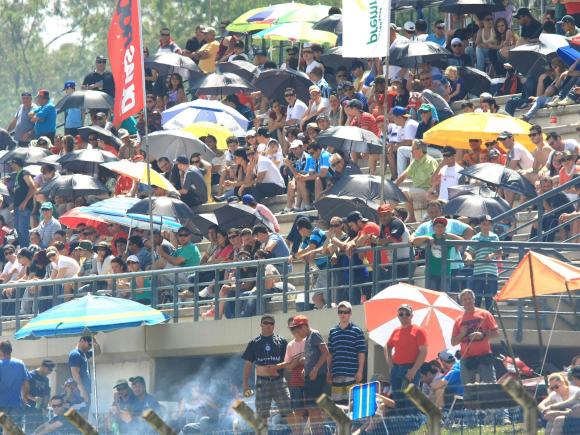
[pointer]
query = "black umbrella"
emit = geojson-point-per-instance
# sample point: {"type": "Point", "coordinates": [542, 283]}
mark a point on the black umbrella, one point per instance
{"type": "Point", "coordinates": [349, 138]}
{"type": "Point", "coordinates": [366, 187]}
{"type": "Point", "coordinates": [475, 81]}
{"type": "Point", "coordinates": [163, 206]}
{"type": "Point", "coordinates": [221, 84]}
{"type": "Point", "coordinates": [167, 63]}
{"type": "Point", "coordinates": [88, 99]}
{"type": "Point", "coordinates": [470, 189]}
{"type": "Point", "coordinates": [462, 7]}
{"type": "Point", "coordinates": [72, 186]}
{"type": "Point", "coordinates": [444, 110]}
{"type": "Point", "coordinates": [273, 82]}
{"type": "Point", "coordinates": [86, 161]}
{"type": "Point", "coordinates": [239, 216]}
{"type": "Point", "coordinates": [332, 23]}
{"type": "Point", "coordinates": [243, 68]}
{"type": "Point", "coordinates": [330, 206]}
{"type": "Point", "coordinates": [411, 54]}
{"type": "Point", "coordinates": [203, 221]}
{"type": "Point", "coordinates": [333, 58]}
{"type": "Point", "coordinates": [474, 206]}
{"type": "Point", "coordinates": [101, 133]}
{"type": "Point", "coordinates": [50, 160]}
{"type": "Point", "coordinates": [27, 154]}
{"type": "Point", "coordinates": [531, 57]}
{"type": "Point", "coordinates": [501, 177]}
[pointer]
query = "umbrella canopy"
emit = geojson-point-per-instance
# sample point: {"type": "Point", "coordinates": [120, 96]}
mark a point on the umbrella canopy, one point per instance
{"type": "Point", "coordinates": [333, 58]}
{"type": "Point", "coordinates": [462, 7]}
{"type": "Point", "coordinates": [241, 24]}
{"type": "Point", "coordinates": [221, 84]}
{"type": "Point", "coordinates": [474, 81]}
{"type": "Point", "coordinates": [270, 14]}
{"type": "Point", "coordinates": [246, 70]}
{"type": "Point", "coordinates": [167, 63]}
{"type": "Point", "coordinates": [366, 187]}
{"type": "Point", "coordinates": [163, 206]}
{"type": "Point", "coordinates": [80, 215]}
{"type": "Point", "coordinates": [173, 143]}
{"type": "Point", "coordinates": [457, 130]}
{"type": "Point", "coordinates": [71, 186]}
{"type": "Point", "coordinates": [500, 177]}
{"type": "Point", "coordinates": [203, 221]}
{"type": "Point", "coordinates": [88, 99]}
{"type": "Point", "coordinates": [29, 155]}
{"type": "Point", "coordinates": [89, 315]}
{"type": "Point", "coordinates": [443, 109]}
{"type": "Point", "coordinates": [331, 23]}
{"type": "Point", "coordinates": [201, 129]}
{"type": "Point", "coordinates": [297, 32]}
{"type": "Point", "coordinates": [85, 161]}
{"type": "Point", "coordinates": [550, 276]}
{"type": "Point", "coordinates": [273, 82]}
{"type": "Point", "coordinates": [411, 54]}
{"type": "Point", "coordinates": [470, 189]}
{"type": "Point", "coordinates": [239, 216]}
{"type": "Point", "coordinates": [532, 57]}
{"type": "Point", "coordinates": [101, 133]}
{"type": "Point", "coordinates": [474, 206]}
{"type": "Point", "coordinates": [185, 114]}
{"type": "Point", "coordinates": [433, 311]}
{"type": "Point", "coordinates": [51, 160]}
{"type": "Point", "coordinates": [349, 138]}
{"type": "Point", "coordinates": [330, 206]}
{"type": "Point", "coordinates": [569, 55]}
{"type": "Point", "coordinates": [304, 14]}
{"type": "Point", "coordinates": [138, 171]}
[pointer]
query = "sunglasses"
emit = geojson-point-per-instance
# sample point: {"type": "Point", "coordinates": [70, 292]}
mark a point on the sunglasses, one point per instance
{"type": "Point", "coordinates": [165, 34]}
{"type": "Point", "coordinates": [533, 134]}
{"type": "Point", "coordinates": [343, 312]}
{"type": "Point", "coordinates": [335, 225]}
{"type": "Point", "coordinates": [195, 162]}
{"type": "Point", "coordinates": [554, 387]}
{"type": "Point", "coordinates": [456, 45]}
{"type": "Point", "coordinates": [288, 95]}
{"type": "Point", "coordinates": [101, 61]}
{"type": "Point", "coordinates": [268, 323]}
{"type": "Point", "coordinates": [404, 314]}
{"type": "Point", "coordinates": [183, 235]}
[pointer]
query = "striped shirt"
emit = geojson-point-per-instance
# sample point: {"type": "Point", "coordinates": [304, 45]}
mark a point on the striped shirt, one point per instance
{"type": "Point", "coordinates": [482, 264]}
{"type": "Point", "coordinates": [344, 346]}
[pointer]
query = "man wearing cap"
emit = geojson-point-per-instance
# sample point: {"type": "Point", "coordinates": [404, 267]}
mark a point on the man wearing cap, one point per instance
{"type": "Point", "coordinates": [405, 351]}
{"type": "Point", "coordinates": [48, 225]}
{"type": "Point", "coordinates": [38, 394]}
{"type": "Point", "coordinates": [359, 118]}
{"type": "Point", "coordinates": [194, 43]}
{"type": "Point", "coordinates": [458, 56]}
{"type": "Point", "coordinates": [347, 347]}
{"type": "Point", "coordinates": [207, 54]}
{"type": "Point", "coordinates": [518, 157]}
{"type": "Point", "coordinates": [530, 28]}
{"type": "Point", "coordinates": [143, 399]}
{"type": "Point", "coordinates": [21, 124]}
{"type": "Point", "coordinates": [446, 175]}
{"type": "Point", "coordinates": [87, 258]}
{"type": "Point", "coordinates": [22, 191]}
{"type": "Point", "coordinates": [73, 118]}
{"type": "Point", "coordinates": [425, 112]}
{"type": "Point", "coordinates": [137, 247]}
{"type": "Point", "coordinates": [264, 211]}
{"type": "Point", "coordinates": [125, 411]}
{"type": "Point", "coordinates": [99, 79]}
{"type": "Point", "coordinates": [451, 380]}
{"type": "Point", "coordinates": [58, 424]}
{"type": "Point", "coordinates": [43, 116]}
{"type": "Point", "coordinates": [316, 106]}
{"type": "Point", "coordinates": [191, 185]}
{"type": "Point", "coordinates": [349, 93]}
{"type": "Point", "coordinates": [569, 26]}
{"type": "Point", "coordinates": [265, 352]}
{"type": "Point", "coordinates": [410, 29]}
{"type": "Point", "coordinates": [393, 230]}
{"type": "Point", "coordinates": [294, 163]}
{"type": "Point", "coordinates": [296, 108]}
{"type": "Point", "coordinates": [128, 149]}
{"type": "Point", "coordinates": [438, 36]}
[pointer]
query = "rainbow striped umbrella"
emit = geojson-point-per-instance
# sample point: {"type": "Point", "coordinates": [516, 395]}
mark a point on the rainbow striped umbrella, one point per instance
{"type": "Point", "coordinates": [271, 13]}
{"type": "Point", "coordinates": [305, 13]}
{"type": "Point", "coordinates": [297, 32]}
{"type": "Point", "coordinates": [241, 24]}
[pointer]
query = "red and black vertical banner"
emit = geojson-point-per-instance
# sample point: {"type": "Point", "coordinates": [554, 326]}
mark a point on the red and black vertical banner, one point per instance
{"type": "Point", "coordinates": [126, 59]}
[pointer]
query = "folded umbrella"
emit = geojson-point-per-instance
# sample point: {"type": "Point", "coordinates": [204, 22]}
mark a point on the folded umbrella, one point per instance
{"type": "Point", "coordinates": [167, 63]}
{"type": "Point", "coordinates": [246, 70]}
{"type": "Point", "coordinates": [411, 54]}
{"type": "Point", "coordinates": [221, 84]}
{"type": "Point", "coordinates": [330, 206]}
{"type": "Point", "coordinates": [331, 23]}
{"type": "Point", "coordinates": [73, 186]}
{"type": "Point", "coordinates": [475, 81]}
{"type": "Point", "coordinates": [366, 187]}
{"type": "Point", "coordinates": [173, 143]}
{"type": "Point", "coordinates": [185, 114]}
{"type": "Point", "coordinates": [28, 155]}
{"type": "Point", "coordinates": [138, 171]}
{"type": "Point", "coordinates": [500, 177]}
{"type": "Point", "coordinates": [239, 216]}
{"type": "Point", "coordinates": [163, 206]}
{"type": "Point", "coordinates": [467, 7]}
{"type": "Point", "coordinates": [474, 206]}
{"type": "Point", "coordinates": [86, 161]}
{"type": "Point", "coordinates": [273, 82]}
{"type": "Point", "coordinates": [350, 139]}
{"type": "Point", "coordinates": [102, 133]}
{"type": "Point", "coordinates": [87, 100]}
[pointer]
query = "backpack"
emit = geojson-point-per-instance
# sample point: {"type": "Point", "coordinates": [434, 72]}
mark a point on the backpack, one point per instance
{"type": "Point", "coordinates": [511, 85]}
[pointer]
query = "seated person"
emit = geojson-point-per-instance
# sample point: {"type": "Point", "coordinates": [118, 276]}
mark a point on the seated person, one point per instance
{"type": "Point", "coordinates": [57, 424]}
{"type": "Point", "coordinates": [559, 402]}
{"type": "Point", "coordinates": [313, 182]}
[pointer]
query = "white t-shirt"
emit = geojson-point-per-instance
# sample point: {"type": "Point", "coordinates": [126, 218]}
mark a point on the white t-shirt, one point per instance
{"type": "Point", "coordinates": [449, 178]}
{"type": "Point", "coordinates": [393, 133]}
{"type": "Point", "coordinates": [556, 398]}
{"type": "Point", "coordinates": [12, 269]}
{"type": "Point", "coordinates": [571, 145]}
{"type": "Point", "coordinates": [272, 173]}
{"type": "Point", "coordinates": [312, 65]}
{"type": "Point", "coordinates": [297, 111]}
{"type": "Point", "coordinates": [323, 103]}
{"type": "Point", "coordinates": [521, 155]}
{"type": "Point", "coordinates": [409, 130]}
{"type": "Point", "coordinates": [69, 264]}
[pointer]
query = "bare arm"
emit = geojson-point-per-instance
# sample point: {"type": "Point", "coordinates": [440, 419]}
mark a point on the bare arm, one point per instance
{"type": "Point", "coordinates": [247, 372]}
{"type": "Point", "coordinates": [76, 375]}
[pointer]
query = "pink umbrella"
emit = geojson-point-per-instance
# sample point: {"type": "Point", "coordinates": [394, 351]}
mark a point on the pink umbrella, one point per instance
{"type": "Point", "coordinates": [434, 311]}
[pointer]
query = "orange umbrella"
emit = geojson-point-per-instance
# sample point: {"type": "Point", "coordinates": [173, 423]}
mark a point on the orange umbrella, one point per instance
{"type": "Point", "coordinates": [538, 275]}
{"type": "Point", "coordinates": [434, 311]}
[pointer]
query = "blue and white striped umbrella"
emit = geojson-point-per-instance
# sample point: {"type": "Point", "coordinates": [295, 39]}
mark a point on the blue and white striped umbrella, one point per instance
{"type": "Point", "coordinates": [185, 114]}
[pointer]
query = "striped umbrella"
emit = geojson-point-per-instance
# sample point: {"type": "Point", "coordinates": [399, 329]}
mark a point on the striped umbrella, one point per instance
{"type": "Point", "coordinates": [297, 32]}
{"type": "Point", "coordinates": [306, 13]}
{"type": "Point", "coordinates": [434, 311]}
{"type": "Point", "coordinates": [270, 14]}
{"type": "Point", "coordinates": [241, 24]}
{"type": "Point", "coordinates": [184, 114]}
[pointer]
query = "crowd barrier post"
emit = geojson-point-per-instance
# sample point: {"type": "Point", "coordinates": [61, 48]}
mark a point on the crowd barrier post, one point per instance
{"type": "Point", "coordinates": [251, 417]}
{"type": "Point", "coordinates": [79, 422]}
{"type": "Point", "coordinates": [343, 422]}
{"type": "Point", "coordinates": [427, 407]}
{"type": "Point", "coordinates": [157, 423]}
{"type": "Point", "coordinates": [526, 401]}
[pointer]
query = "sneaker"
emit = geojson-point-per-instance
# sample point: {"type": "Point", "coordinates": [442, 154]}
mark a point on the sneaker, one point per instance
{"type": "Point", "coordinates": [553, 103]}
{"type": "Point", "coordinates": [286, 210]}
{"type": "Point", "coordinates": [567, 101]}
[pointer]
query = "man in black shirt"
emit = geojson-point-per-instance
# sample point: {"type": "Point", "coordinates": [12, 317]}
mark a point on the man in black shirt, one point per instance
{"type": "Point", "coordinates": [22, 192]}
{"type": "Point", "coordinates": [57, 425]}
{"type": "Point", "coordinates": [530, 28]}
{"type": "Point", "coordinates": [38, 395]}
{"type": "Point", "coordinates": [265, 351]}
{"type": "Point", "coordinates": [194, 44]}
{"type": "Point", "coordinates": [458, 56]}
{"type": "Point", "coordinates": [99, 79]}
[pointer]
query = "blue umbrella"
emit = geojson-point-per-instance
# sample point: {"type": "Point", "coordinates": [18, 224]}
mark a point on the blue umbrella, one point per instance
{"type": "Point", "coordinates": [569, 55]}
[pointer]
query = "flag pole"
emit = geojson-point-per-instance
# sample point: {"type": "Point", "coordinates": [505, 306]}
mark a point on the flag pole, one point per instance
{"type": "Point", "coordinates": [386, 112]}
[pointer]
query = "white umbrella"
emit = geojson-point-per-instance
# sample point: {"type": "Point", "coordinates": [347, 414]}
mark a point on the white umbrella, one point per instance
{"type": "Point", "coordinates": [185, 114]}
{"type": "Point", "coordinates": [173, 143]}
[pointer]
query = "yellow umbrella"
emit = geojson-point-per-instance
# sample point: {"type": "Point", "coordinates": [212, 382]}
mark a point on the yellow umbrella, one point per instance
{"type": "Point", "coordinates": [241, 24]}
{"type": "Point", "coordinates": [297, 32]}
{"type": "Point", "coordinates": [457, 130]}
{"type": "Point", "coordinates": [138, 171]}
{"type": "Point", "coordinates": [200, 129]}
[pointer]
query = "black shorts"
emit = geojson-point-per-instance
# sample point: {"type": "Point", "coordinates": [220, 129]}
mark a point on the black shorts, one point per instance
{"type": "Point", "coordinates": [313, 389]}
{"type": "Point", "coordinates": [310, 184]}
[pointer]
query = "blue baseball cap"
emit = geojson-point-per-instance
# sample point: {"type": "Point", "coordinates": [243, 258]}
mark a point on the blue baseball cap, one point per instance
{"type": "Point", "coordinates": [399, 111]}
{"type": "Point", "coordinates": [70, 84]}
{"type": "Point", "coordinates": [248, 199]}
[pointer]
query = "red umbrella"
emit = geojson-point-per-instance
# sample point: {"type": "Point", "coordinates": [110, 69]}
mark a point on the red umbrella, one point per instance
{"type": "Point", "coordinates": [434, 311]}
{"type": "Point", "coordinates": [76, 216]}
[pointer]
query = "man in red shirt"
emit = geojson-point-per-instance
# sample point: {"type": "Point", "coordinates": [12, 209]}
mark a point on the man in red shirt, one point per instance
{"type": "Point", "coordinates": [366, 121]}
{"type": "Point", "coordinates": [409, 344]}
{"type": "Point", "coordinates": [472, 331]}
{"type": "Point", "coordinates": [366, 232]}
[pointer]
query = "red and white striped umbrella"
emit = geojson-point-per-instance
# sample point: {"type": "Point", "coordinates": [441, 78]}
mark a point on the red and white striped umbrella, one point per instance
{"type": "Point", "coordinates": [434, 311]}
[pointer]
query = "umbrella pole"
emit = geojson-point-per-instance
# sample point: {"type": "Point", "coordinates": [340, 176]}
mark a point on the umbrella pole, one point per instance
{"type": "Point", "coordinates": [537, 313]}
{"type": "Point", "coordinates": [386, 113]}
{"type": "Point", "coordinates": [507, 340]}
{"type": "Point", "coordinates": [95, 395]}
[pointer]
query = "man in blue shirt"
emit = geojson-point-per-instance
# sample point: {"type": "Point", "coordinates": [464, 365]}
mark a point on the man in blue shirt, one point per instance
{"type": "Point", "coordinates": [78, 361]}
{"type": "Point", "coordinates": [316, 174]}
{"type": "Point", "coordinates": [14, 383]}
{"type": "Point", "coordinates": [313, 240]}
{"type": "Point", "coordinates": [44, 116]}
{"type": "Point", "coordinates": [73, 117]}
{"type": "Point", "coordinates": [438, 35]}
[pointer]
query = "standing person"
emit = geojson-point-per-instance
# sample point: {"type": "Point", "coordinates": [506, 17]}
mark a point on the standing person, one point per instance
{"type": "Point", "coordinates": [206, 55]}
{"type": "Point", "coordinates": [73, 118]}
{"type": "Point", "coordinates": [346, 343]}
{"type": "Point", "coordinates": [43, 116]}
{"type": "Point", "coordinates": [21, 124]}
{"type": "Point", "coordinates": [315, 369]}
{"type": "Point", "coordinates": [265, 352]}
{"type": "Point", "coordinates": [38, 395]}
{"type": "Point", "coordinates": [409, 344]}
{"type": "Point", "coordinates": [14, 383]}
{"type": "Point", "coordinates": [99, 79]}
{"type": "Point", "coordinates": [472, 331]}
{"type": "Point", "coordinates": [23, 191]}
{"type": "Point", "coordinates": [78, 361]}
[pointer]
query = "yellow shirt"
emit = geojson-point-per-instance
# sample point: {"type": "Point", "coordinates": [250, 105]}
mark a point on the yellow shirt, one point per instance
{"type": "Point", "coordinates": [208, 64]}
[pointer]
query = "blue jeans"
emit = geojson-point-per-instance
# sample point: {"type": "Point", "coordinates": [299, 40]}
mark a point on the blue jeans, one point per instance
{"type": "Point", "coordinates": [538, 104]}
{"type": "Point", "coordinates": [22, 226]}
{"type": "Point", "coordinates": [398, 384]}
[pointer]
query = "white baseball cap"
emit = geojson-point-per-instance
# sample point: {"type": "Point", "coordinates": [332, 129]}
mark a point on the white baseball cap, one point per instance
{"type": "Point", "coordinates": [296, 143]}
{"type": "Point", "coordinates": [409, 26]}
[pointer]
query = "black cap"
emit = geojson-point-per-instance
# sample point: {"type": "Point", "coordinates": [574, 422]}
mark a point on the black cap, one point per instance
{"type": "Point", "coordinates": [355, 104]}
{"type": "Point", "coordinates": [484, 218]}
{"type": "Point", "coordinates": [99, 57]}
{"type": "Point", "coordinates": [504, 135]}
{"type": "Point", "coordinates": [355, 216]}
{"type": "Point", "coordinates": [523, 12]}
{"type": "Point", "coordinates": [182, 159]}
{"type": "Point", "coordinates": [137, 380]}
{"type": "Point", "coordinates": [49, 364]}
{"type": "Point", "coordinates": [567, 19]}
{"type": "Point", "coordinates": [260, 53]}
{"type": "Point", "coordinates": [18, 161]}
{"type": "Point", "coordinates": [448, 151]}
{"type": "Point", "coordinates": [553, 135]}
{"type": "Point", "coordinates": [575, 372]}
{"type": "Point", "coordinates": [292, 50]}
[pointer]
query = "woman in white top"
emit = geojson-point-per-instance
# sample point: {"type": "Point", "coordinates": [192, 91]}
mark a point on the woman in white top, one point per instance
{"type": "Point", "coordinates": [560, 390]}
{"type": "Point", "coordinates": [486, 42]}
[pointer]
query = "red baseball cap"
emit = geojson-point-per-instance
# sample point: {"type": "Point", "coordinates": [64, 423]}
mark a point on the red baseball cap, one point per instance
{"type": "Point", "coordinates": [385, 208]}
{"type": "Point", "coordinates": [440, 220]}
{"type": "Point", "coordinates": [298, 321]}
{"type": "Point", "coordinates": [43, 93]}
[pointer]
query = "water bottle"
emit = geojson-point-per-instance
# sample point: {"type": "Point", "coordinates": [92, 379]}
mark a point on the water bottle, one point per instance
{"type": "Point", "coordinates": [236, 426]}
{"type": "Point", "coordinates": [115, 428]}
{"type": "Point", "coordinates": [553, 117]}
